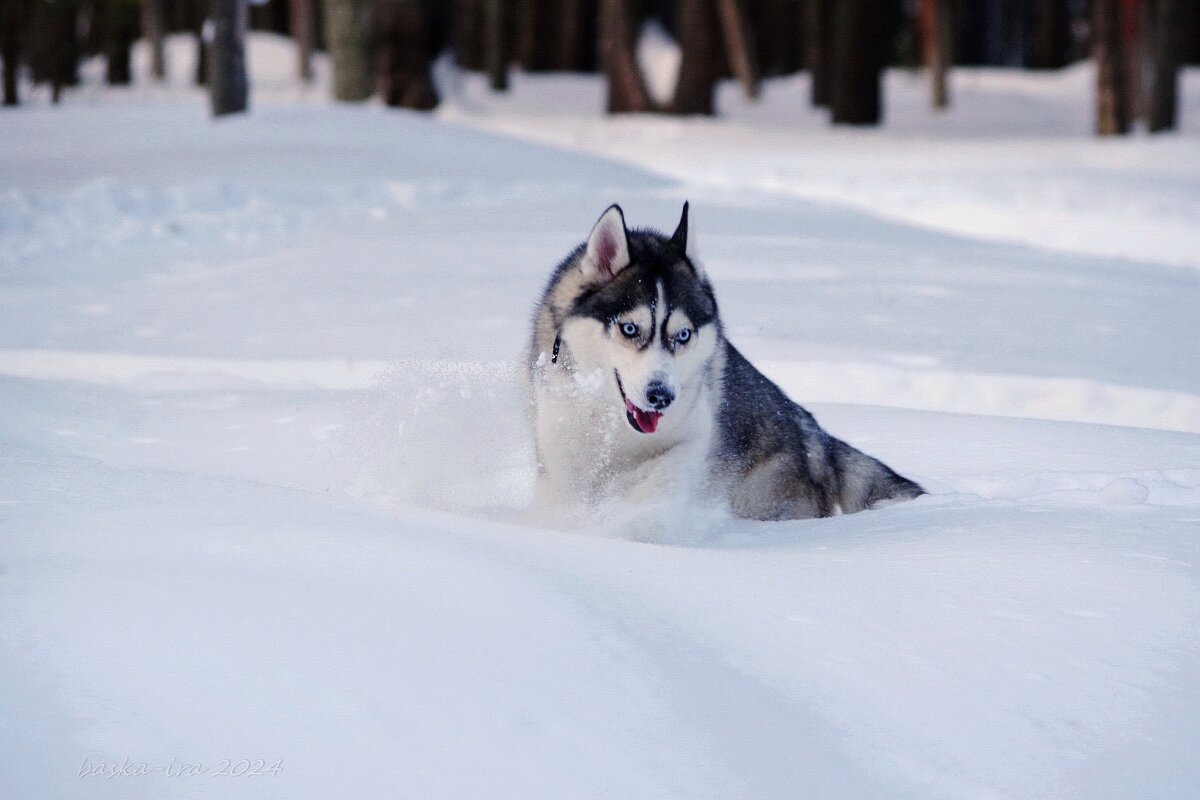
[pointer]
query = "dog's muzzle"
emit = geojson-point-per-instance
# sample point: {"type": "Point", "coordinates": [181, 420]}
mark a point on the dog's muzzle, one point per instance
{"type": "Point", "coordinates": [640, 419]}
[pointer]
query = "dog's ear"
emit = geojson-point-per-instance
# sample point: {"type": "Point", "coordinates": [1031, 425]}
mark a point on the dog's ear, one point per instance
{"type": "Point", "coordinates": [679, 239]}
{"type": "Point", "coordinates": [607, 246]}
{"type": "Point", "coordinates": [684, 239]}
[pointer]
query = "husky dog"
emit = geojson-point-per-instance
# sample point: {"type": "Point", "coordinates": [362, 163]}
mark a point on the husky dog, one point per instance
{"type": "Point", "coordinates": [633, 384]}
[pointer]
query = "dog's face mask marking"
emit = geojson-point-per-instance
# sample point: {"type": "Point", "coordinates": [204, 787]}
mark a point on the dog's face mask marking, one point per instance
{"type": "Point", "coordinates": [646, 319]}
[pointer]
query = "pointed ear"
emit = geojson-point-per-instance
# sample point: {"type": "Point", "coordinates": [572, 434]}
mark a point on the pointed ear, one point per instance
{"type": "Point", "coordinates": [607, 246]}
{"type": "Point", "coordinates": [680, 238]}
{"type": "Point", "coordinates": [684, 240]}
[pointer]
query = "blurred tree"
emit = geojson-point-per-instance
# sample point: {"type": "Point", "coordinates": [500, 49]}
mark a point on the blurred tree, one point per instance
{"type": "Point", "coordinates": [699, 36]}
{"type": "Point", "coordinates": [91, 27]}
{"type": "Point", "coordinates": [53, 44]}
{"type": "Point", "coordinates": [469, 33]}
{"type": "Point", "coordinates": [537, 25]}
{"type": "Point", "coordinates": [1050, 40]}
{"type": "Point", "coordinates": [270, 15]}
{"type": "Point", "coordinates": [228, 85]}
{"type": "Point", "coordinates": [818, 43]}
{"type": "Point", "coordinates": [858, 60]}
{"type": "Point", "coordinates": [14, 21]}
{"type": "Point", "coordinates": [1163, 28]}
{"type": "Point", "coordinates": [407, 38]}
{"type": "Point", "coordinates": [153, 18]}
{"type": "Point", "coordinates": [937, 40]}
{"type": "Point", "coordinates": [498, 36]}
{"type": "Point", "coordinates": [576, 36]}
{"type": "Point", "coordinates": [120, 32]}
{"type": "Point", "coordinates": [346, 24]}
{"type": "Point", "coordinates": [1189, 33]}
{"type": "Point", "coordinates": [1112, 90]}
{"type": "Point", "coordinates": [739, 45]}
{"type": "Point", "coordinates": [66, 48]}
{"type": "Point", "coordinates": [993, 32]}
{"type": "Point", "coordinates": [779, 28]}
{"type": "Point", "coordinates": [626, 85]}
{"type": "Point", "coordinates": [557, 35]}
{"type": "Point", "coordinates": [302, 24]}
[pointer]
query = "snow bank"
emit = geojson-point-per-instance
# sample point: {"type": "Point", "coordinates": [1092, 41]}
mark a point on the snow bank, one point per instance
{"type": "Point", "coordinates": [264, 476]}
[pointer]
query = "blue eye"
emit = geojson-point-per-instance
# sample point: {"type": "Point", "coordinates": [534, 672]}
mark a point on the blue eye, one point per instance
{"type": "Point", "coordinates": [629, 329]}
{"type": "Point", "coordinates": [683, 336]}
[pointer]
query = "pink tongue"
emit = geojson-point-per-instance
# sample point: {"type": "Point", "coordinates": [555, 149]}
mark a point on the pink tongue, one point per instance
{"type": "Point", "coordinates": [646, 420]}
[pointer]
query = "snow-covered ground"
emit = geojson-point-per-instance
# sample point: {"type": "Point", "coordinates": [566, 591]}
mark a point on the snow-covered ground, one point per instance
{"type": "Point", "coordinates": [264, 480]}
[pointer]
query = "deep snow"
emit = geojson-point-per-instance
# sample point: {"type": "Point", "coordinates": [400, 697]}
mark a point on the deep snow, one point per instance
{"type": "Point", "coordinates": [264, 479]}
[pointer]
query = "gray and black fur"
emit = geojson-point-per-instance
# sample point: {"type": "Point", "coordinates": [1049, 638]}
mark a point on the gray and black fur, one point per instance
{"type": "Point", "coordinates": [813, 474]}
{"type": "Point", "coordinates": [764, 452]}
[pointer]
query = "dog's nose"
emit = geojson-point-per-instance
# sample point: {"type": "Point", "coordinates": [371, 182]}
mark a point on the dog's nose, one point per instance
{"type": "Point", "coordinates": [659, 395]}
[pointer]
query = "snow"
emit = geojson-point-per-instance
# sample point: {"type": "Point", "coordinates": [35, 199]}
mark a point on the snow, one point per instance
{"type": "Point", "coordinates": [265, 481]}
{"type": "Point", "coordinates": [1012, 161]}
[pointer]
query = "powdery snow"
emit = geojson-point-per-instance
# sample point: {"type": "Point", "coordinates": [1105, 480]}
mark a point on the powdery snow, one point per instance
{"type": "Point", "coordinates": [265, 480]}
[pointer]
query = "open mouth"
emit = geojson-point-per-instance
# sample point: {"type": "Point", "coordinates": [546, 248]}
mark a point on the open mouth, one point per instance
{"type": "Point", "coordinates": [642, 421]}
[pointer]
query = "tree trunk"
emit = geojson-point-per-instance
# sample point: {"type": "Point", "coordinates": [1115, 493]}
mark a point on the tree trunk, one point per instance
{"type": "Point", "coordinates": [627, 90]}
{"type": "Point", "coordinates": [1135, 59]}
{"type": "Point", "coordinates": [195, 13]}
{"type": "Point", "coordinates": [121, 31]}
{"type": "Point", "coordinates": [14, 17]}
{"type": "Point", "coordinates": [228, 84]}
{"type": "Point", "coordinates": [778, 27]}
{"type": "Point", "coordinates": [346, 27]}
{"type": "Point", "coordinates": [265, 15]}
{"type": "Point", "coordinates": [51, 44]}
{"type": "Point", "coordinates": [470, 33]}
{"type": "Point", "coordinates": [1051, 34]}
{"type": "Point", "coordinates": [576, 46]}
{"type": "Point", "coordinates": [818, 42]}
{"type": "Point", "coordinates": [565, 52]}
{"type": "Point", "coordinates": [525, 17]}
{"type": "Point", "coordinates": [1163, 45]}
{"type": "Point", "coordinates": [37, 37]}
{"type": "Point", "coordinates": [405, 50]}
{"type": "Point", "coordinates": [201, 76]}
{"type": "Point", "coordinates": [739, 45]}
{"type": "Point", "coordinates": [497, 43]}
{"type": "Point", "coordinates": [1112, 94]}
{"type": "Point", "coordinates": [857, 62]}
{"type": "Point", "coordinates": [153, 26]}
{"type": "Point", "coordinates": [61, 47]}
{"type": "Point", "coordinates": [10, 51]}
{"type": "Point", "coordinates": [700, 42]}
{"type": "Point", "coordinates": [303, 28]}
{"type": "Point", "coordinates": [1189, 35]}
{"type": "Point", "coordinates": [538, 23]}
{"type": "Point", "coordinates": [937, 31]}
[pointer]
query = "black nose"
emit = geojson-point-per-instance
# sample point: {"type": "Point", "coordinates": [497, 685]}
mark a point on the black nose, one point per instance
{"type": "Point", "coordinates": [659, 395]}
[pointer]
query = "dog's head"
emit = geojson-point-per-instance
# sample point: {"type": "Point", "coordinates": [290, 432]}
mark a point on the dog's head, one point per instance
{"type": "Point", "coordinates": [644, 316]}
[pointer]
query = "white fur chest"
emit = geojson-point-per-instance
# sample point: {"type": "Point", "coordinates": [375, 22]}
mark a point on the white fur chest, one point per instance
{"type": "Point", "coordinates": [588, 450]}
